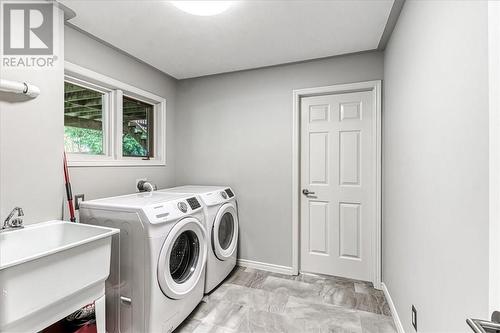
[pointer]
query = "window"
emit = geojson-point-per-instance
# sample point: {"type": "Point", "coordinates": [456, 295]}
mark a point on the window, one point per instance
{"type": "Point", "coordinates": [83, 120]}
{"type": "Point", "coordinates": [107, 122]}
{"type": "Point", "coordinates": [138, 122]}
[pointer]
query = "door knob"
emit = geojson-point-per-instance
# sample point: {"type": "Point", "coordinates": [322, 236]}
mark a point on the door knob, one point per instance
{"type": "Point", "coordinates": [126, 300]}
{"type": "Point", "coordinates": [307, 192]}
{"type": "Point", "coordinates": [484, 326]}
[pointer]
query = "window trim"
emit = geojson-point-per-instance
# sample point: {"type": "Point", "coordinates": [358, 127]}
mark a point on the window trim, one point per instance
{"type": "Point", "coordinates": [112, 135]}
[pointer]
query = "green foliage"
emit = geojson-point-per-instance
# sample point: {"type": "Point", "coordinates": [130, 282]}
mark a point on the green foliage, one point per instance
{"type": "Point", "coordinates": [89, 141]}
{"type": "Point", "coordinates": [133, 148]}
{"type": "Point", "coordinates": [82, 140]}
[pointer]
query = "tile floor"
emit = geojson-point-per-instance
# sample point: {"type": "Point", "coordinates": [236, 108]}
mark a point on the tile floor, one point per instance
{"type": "Point", "coordinates": [256, 301]}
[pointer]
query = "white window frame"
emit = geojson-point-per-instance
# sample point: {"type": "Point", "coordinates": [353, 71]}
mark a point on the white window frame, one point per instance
{"type": "Point", "coordinates": [107, 117]}
{"type": "Point", "coordinates": [114, 91]}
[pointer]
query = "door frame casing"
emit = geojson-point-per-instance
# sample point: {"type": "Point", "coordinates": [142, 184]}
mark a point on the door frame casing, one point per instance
{"type": "Point", "coordinates": [494, 154]}
{"type": "Point", "coordinates": [375, 87]}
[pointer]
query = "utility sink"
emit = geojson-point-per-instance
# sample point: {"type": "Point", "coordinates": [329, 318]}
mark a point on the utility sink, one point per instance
{"type": "Point", "coordinates": [49, 270]}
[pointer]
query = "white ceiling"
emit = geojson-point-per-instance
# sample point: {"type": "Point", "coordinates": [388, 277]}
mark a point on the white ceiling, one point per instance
{"type": "Point", "coordinates": [250, 34]}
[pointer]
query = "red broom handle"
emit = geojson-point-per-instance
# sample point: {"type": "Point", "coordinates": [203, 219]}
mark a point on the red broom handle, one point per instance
{"type": "Point", "coordinates": [69, 194]}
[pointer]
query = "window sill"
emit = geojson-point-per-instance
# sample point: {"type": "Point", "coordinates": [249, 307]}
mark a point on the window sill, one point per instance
{"type": "Point", "coordinates": [116, 163]}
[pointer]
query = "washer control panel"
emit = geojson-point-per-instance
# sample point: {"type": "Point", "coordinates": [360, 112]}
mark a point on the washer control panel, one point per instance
{"type": "Point", "coordinates": [193, 203]}
{"type": "Point", "coordinates": [182, 206]}
{"type": "Point", "coordinates": [171, 210]}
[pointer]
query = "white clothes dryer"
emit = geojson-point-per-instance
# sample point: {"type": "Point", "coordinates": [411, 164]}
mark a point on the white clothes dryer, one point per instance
{"type": "Point", "coordinates": [221, 217]}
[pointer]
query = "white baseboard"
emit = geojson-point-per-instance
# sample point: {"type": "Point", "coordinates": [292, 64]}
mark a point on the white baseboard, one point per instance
{"type": "Point", "coordinates": [394, 313]}
{"type": "Point", "coordinates": [265, 266]}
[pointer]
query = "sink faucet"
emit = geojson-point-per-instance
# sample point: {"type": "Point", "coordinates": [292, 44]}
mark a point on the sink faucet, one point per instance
{"type": "Point", "coordinates": [12, 222]}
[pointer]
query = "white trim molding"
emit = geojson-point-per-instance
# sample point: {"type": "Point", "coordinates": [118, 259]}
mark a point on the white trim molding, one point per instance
{"type": "Point", "coordinates": [265, 266]}
{"type": "Point", "coordinates": [395, 316]}
{"type": "Point", "coordinates": [376, 88]}
{"type": "Point", "coordinates": [494, 153]}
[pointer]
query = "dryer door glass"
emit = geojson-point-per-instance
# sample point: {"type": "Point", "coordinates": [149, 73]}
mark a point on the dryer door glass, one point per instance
{"type": "Point", "coordinates": [184, 256]}
{"type": "Point", "coordinates": [226, 230]}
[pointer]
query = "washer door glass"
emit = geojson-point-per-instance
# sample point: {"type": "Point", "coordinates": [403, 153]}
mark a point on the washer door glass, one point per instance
{"type": "Point", "coordinates": [184, 256]}
{"type": "Point", "coordinates": [225, 232]}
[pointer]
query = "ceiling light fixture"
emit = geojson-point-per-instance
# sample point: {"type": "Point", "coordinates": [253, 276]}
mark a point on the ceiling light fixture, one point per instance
{"type": "Point", "coordinates": [203, 8]}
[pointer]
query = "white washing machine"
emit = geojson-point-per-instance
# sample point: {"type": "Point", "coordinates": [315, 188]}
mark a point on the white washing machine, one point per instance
{"type": "Point", "coordinates": [221, 216]}
{"type": "Point", "coordinates": [158, 266]}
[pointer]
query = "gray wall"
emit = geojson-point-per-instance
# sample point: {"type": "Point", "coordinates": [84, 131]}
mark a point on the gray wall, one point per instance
{"type": "Point", "coordinates": [435, 164]}
{"type": "Point", "coordinates": [96, 182]}
{"type": "Point", "coordinates": [31, 141]}
{"type": "Point", "coordinates": [236, 129]}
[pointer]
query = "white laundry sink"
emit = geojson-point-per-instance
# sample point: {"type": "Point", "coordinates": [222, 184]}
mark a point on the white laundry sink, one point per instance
{"type": "Point", "coordinates": [49, 270]}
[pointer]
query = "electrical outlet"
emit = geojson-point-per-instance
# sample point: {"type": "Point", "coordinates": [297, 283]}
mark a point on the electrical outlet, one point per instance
{"type": "Point", "coordinates": [137, 182]}
{"type": "Point", "coordinates": [79, 198]}
{"type": "Point", "coordinates": [414, 317]}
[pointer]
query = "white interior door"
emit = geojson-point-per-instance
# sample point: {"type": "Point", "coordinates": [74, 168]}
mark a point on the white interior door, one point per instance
{"type": "Point", "coordinates": [338, 168]}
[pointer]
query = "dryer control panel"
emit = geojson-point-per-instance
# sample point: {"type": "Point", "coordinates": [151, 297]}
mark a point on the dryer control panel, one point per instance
{"type": "Point", "coordinates": [217, 197]}
{"type": "Point", "coordinates": [229, 192]}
